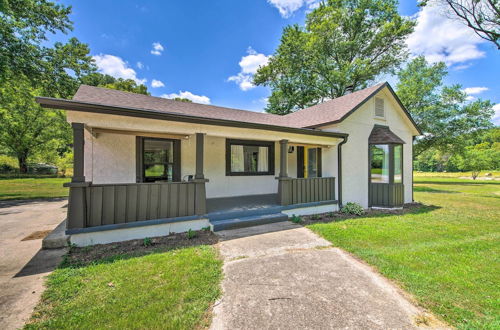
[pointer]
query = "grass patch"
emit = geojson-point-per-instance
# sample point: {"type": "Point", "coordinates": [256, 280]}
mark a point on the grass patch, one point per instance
{"type": "Point", "coordinates": [31, 188]}
{"type": "Point", "coordinates": [169, 290]}
{"type": "Point", "coordinates": [445, 254]}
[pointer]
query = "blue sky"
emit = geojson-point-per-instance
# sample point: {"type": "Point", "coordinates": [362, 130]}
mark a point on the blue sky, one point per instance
{"type": "Point", "coordinates": [208, 50]}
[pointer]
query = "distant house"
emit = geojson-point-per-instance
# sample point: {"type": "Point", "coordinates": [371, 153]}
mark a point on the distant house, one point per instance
{"type": "Point", "coordinates": [147, 166]}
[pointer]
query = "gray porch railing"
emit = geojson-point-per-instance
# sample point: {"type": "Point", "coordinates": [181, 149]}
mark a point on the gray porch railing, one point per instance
{"type": "Point", "coordinates": [92, 205]}
{"type": "Point", "coordinates": [306, 190]}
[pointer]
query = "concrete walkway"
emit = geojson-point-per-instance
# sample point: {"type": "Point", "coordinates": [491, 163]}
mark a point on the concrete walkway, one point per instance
{"type": "Point", "coordinates": [283, 276]}
{"type": "Point", "coordinates": [23, 265]}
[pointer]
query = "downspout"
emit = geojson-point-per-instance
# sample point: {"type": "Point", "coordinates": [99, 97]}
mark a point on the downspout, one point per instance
{"type": "Point", "coordinates": [339, 169]}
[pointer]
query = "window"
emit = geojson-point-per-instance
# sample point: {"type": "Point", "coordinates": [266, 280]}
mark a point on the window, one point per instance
{"type": "Point", "coordinates": [386, 163]}
{"type": "Point", "coordinates": [245, 157]}
{"type": "Point", "coordinates": [379, 108]}
{"type": "Point", "coordinates": [380, 163]}
{"type": "Point", "coordinates": [398, 163]}
{"type": "Point", "coordinates": [160, 160]}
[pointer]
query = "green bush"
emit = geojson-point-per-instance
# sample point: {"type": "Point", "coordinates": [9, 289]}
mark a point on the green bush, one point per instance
{"type": "Point", "coordinates": [352, 208]}
{"type": "Point", "coordinates": [8, 164]}
{"type": "Point", "coordinates": [296, 219]}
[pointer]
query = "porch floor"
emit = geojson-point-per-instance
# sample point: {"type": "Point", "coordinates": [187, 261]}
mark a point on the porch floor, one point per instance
{"type": "Point", "coordinates": [242, 203]}
{"type": "Point", "coordinates": [244, 211]}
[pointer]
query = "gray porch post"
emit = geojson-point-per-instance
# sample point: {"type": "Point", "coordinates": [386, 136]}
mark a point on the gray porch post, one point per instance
{"type": "Point", "coordinates": [77, 201]}
{"type": "Point", "coordinates": [199, 177]}
{"type": "Point", "coordinates": [283, 159]}
{"type": "Point", "coordinates": [200, 146]}
{"type": "Point", "coordinates": [78, 152]}
{"type": "Point", "coordinates": [283, 179]}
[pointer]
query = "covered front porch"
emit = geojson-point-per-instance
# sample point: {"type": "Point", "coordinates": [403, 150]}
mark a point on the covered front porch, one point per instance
{"type": "Point", "coordinates": [180, 200]}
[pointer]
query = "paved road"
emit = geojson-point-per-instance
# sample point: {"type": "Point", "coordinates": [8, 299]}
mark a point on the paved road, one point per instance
{"type": "Point", "coordinates": [283, 276]}
{"type": "Point", "coordinates": [23, 265]}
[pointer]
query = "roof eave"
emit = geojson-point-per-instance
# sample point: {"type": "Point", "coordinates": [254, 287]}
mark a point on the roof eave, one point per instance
{"type": "Point", "coordinates": [54, 103]}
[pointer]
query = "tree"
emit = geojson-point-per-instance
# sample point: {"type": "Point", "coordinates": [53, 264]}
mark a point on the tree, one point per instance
{"type": "Point", "coordinates": [107, 81]}
{"type": "Point", "coordinates": [25, 127]}
{"type": "Point", "coordinates": [482, 16]}
{"type": "Point", "coordinates": [479, 158]}
{"type": "Point", "coordinates": [441, 112]}
{"type": "Point", "coordinates": [30, 67]}
{"type": "Point", "coordinates": [182, 99]}
{"type": "Point", "coordinates": [344, 45]}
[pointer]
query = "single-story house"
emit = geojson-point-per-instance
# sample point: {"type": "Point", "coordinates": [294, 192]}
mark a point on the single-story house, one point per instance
{"type": "Point", "coordinates": [146, 166]}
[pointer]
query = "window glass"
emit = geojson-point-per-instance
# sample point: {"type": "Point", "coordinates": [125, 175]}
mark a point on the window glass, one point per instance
{"type": "Point", "coordinates": [312, 162]}
{"type": "Point", "coordinates": [158, 159]}
{"type": "Point", "coordinates": [249, 158]}
{"type": "Point", "coordinates": [380, 163]}
{"type": "Point", "coordinates": [398, 163]}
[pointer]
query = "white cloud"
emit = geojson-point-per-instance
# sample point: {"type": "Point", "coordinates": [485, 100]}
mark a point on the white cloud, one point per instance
{"type": "Point", "coordinates": [496, 116]}
{"type": "Point", "coordinates": [475, 90]}
{"type": "Point", "coordinates": [470, 91]}
{"type": "Point", "coordinates": [115, 66]}
{"type": "Point", "coordinates": [157, 83]}
{"type": "Point", "coordinates": [188, 95]}
{"type": "Point", "coordinates": [288, 7]}
{"type": "Point", "coordinates": [249, 65]}
{"type": "Point", "coordinates": [140, 65]}
{"type": "Point", "coordinates": [440, 38]}
{"type": "Point", "coordinates": [157, 48]}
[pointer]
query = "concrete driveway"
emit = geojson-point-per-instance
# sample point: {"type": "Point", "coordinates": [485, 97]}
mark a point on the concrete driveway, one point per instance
{"type": "Point", "coordinates": [283, 276]}
{"type": "Point", "coordinates": [23, 265]}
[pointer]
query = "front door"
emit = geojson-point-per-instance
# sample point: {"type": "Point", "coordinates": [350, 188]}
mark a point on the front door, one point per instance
{"type": "Point", "coordinates": [308, 162]}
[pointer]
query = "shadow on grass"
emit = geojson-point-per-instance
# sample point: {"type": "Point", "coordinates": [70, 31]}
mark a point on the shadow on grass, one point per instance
{"type": "Point", "coordinates": [432, 190]}
{"type": "Point", "coordinates": [456, 182]}
{"type": "Point", "coordinates": [78, 257]}
{"type": "Point", "coordinates": [413, 208]}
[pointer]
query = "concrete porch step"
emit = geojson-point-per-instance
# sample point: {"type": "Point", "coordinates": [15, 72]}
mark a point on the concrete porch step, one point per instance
{"type": "Point", "coordinates": [248, 221]}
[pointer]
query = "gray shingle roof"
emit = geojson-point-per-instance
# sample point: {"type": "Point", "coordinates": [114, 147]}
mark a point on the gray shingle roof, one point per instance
{"type": "Point", "coordinates": [329, 112]}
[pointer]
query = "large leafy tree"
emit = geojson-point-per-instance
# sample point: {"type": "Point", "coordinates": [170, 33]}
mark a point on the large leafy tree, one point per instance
{"type": "Point", "coordinates": [25, 127]}
{"type": "Point", "coordinates": [442, 112]}
{"type": "Point", "coordinates": [344, 45]}
{"type": "Point", "coordinates": [29, 66]}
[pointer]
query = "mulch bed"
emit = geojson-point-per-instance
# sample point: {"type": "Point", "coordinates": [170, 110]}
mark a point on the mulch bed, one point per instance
{"type": "Point", "coordinates": [79, 256]}
{"type": "Point", "coordinates": [337, 216]}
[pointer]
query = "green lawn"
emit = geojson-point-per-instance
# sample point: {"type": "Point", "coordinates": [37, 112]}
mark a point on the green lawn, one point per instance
{"type": "Point", "coordinates": [447, 254]}
{"type": "Point", "coordinates": [169, 290]}
{"type": "Point", "coordinates": [30, 188]}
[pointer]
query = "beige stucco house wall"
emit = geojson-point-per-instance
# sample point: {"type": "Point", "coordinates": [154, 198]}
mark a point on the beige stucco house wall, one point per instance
{"type": "Point", "coordinates": [111, 158]}
{"type": "Point", "coordinates": [355, 152]}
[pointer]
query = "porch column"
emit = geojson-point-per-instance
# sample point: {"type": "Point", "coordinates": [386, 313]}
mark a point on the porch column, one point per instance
{"type": "Point", "coordinates": [283, 158]}
{"type": "Point", "coordinates": [78, 152]}
{"type": "Point", "coordinates": [200, 145]}
{"type": "Point", "coordinates": [199, 177]}
{"type": "Point", "coordinates": [77, 201]}
{"type": "Point", "coordinates": [283, 179]}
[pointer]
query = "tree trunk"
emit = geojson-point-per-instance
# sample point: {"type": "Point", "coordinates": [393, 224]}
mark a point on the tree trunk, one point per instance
{"type": "Point", "coordinates": [23, 166]}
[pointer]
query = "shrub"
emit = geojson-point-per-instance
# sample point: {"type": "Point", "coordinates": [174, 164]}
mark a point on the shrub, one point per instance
{"type": "Point", "coordinates": [296, 219]}
{"type": "Point", "coordinates": [352, 208]}
{"type": "Point", "coordinates": [191, 234]}
{"type": "Point", "coordinates": [8, 164]}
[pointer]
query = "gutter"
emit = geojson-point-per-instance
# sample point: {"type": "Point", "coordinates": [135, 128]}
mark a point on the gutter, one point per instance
{"type": "Point", "coordinates": [339, 170]}
{"type": "Point", "coordinates": [54, 103]}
